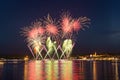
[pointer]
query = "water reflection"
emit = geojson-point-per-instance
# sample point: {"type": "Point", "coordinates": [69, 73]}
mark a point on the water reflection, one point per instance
{"type": "Point", "coordinates": [1, 69]}
{"type": "Point", "coordinates": [78, 70]}
{"type": "Point", "coordinates": [48, 70]}
{"type": "Point", "coordinates": [71, 70]}
{"type": "Point", "coordinates": [94, 70]}
{"type": "Point", "coordinates": [34, 71]}
{"type": "Point", "coordinates": [65, 70]}
{"type": "Point", "coordinates": [25, 71]}
{"type": "Point", "coordinates": [60, 70]}
{"type": "Point", "coordinates": [115, 70]}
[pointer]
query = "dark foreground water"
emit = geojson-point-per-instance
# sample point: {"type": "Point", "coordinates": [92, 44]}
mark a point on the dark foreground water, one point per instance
{"type": "Point", "coordinates": [60, 70]}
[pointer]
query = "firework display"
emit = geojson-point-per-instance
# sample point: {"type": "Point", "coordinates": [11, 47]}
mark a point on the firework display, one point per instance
{"type": "Point", "coordinates": [51, 39]}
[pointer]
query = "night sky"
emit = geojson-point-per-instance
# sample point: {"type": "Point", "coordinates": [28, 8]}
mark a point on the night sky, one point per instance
{"type": "Point", "coordinates": [102, 36]}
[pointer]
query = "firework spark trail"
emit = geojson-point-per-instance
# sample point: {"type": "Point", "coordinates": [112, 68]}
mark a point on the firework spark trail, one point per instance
{"type": "Point", "coordinates": [67, 47]}
{"type": "Point", "coordinates": [56, 51]}
{"type": "Point", "coordinates": [35, 37]}
{"type": "Point", "coordinates": [60, 33]}
{"type": "Point", "coordinates": [40, 53]}
{"type": "Point", "coordinates": [50, 46]}
{"type": "Point", "coordinates": [66, 24]}
{"type": "Point", "coordinates": [31, 51]}
{"type": "Point", "coordinates": [70, 25]}
{"type": "Point", "coordinates": [51, 28]}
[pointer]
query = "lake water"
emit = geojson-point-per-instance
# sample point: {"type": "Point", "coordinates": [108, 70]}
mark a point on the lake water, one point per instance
{"type": "Point", "coordinates": [60, 70]}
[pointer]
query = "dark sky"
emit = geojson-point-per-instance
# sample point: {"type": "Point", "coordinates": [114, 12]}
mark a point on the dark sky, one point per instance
{"type": "Point", "coordinates": [103, 35]}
